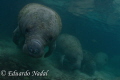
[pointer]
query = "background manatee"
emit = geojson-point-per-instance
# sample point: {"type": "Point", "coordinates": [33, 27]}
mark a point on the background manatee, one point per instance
{"type": "Point", "coordinates": [38, 27]}
{"type": "Point", "coordinates": [101, 60]}
{"type": "Point", "coordinates": [88, 65]}
{"type": "Point", "coordinates": [70, 48]}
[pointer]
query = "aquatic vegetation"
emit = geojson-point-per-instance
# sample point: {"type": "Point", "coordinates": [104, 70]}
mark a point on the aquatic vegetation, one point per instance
{"type": "Point", "coordinates": [15, 59]}
{"type": "Point", "coordinates": [9, 64]}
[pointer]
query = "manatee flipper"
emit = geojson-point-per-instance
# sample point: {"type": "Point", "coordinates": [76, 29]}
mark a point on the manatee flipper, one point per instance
{"type": "Point", "coordinates": [51, 49]}
{"type": "Point", "coordinates": [62, 59]}
{"type": "Point", "coordinates": [17, 36]}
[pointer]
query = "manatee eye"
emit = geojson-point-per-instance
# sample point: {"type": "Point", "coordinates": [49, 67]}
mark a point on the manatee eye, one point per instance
{"type": "Point", "coordinates": [27, 30]}
{"type": "Point", "coordinates": [50, 38]}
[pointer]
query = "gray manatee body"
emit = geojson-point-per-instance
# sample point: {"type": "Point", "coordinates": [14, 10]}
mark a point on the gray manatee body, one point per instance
{"type": "Point", "coordinates": [70, 48]}
{"type": "Point", "coordinates": [88, 63]}
{"type": "Point", "coordinates": [38, 27]}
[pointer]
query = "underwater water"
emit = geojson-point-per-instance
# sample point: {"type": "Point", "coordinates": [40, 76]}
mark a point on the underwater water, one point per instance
{"type": "Point", "coordinates": [88, 47]}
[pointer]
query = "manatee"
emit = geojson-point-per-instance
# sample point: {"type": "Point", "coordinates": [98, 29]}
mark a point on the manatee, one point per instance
{"type": "Point", "coordinates": [101, 60]}
{"type": "Point", "coordinates": [38, 28]}
{"type": "Point", "coordinates": [88, 65]}
{"type": "Point", "coordinates": [71, 51]}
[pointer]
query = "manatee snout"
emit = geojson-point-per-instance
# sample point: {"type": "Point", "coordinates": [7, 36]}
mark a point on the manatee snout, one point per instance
{"type": "Point", "coordinates": [33, 48]}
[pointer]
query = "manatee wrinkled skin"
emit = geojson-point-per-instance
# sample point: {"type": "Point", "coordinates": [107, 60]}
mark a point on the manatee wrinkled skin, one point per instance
{"type": "Point", "coordinates": [70, 48]}
{"type": "Point", "coordinates": [38, 27]}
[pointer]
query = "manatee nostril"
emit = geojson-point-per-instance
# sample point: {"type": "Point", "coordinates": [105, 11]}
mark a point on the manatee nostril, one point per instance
{"type": "Point", "coordinates": [27, 30]}
{"type": "Point", "coordinates": [33, 50]}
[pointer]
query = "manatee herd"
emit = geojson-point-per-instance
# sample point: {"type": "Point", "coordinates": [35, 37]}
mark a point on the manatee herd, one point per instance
{"type": "Point", "coordinates": [39, 27]}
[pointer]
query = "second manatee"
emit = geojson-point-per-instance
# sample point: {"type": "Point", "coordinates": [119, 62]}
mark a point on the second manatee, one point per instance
{"type": "Point", "coordinates": [71, 50]}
